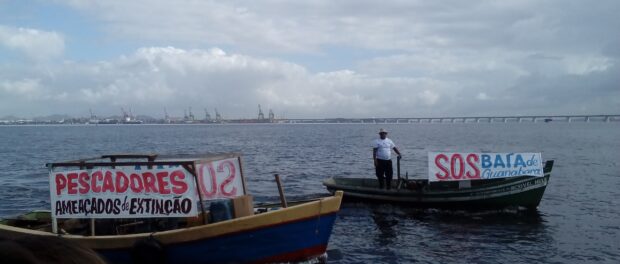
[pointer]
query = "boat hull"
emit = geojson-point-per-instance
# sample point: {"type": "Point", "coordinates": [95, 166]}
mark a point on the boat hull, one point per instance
{"type": "Point", "coordinates": [292, 241]}
{"type": "Point", "coordinates": [290, 234]}
{"type": "Point", "coordinates": [525, 191]}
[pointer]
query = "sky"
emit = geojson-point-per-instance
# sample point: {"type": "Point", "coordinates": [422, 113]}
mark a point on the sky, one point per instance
{"type": "Point", "coordinates": [310, 59]}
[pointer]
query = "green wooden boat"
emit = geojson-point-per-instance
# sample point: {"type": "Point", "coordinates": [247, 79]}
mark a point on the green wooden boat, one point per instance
{"type": "Point", "coordinates": [521, 191]}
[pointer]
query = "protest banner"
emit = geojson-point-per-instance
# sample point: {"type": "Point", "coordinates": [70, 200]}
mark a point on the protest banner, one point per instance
{"type": "Point", "coordinates": [136, 192]}
{"type": "Point", "coordinates": [473, 166]}
{"type": "Point", "coordinates": [123, 192]}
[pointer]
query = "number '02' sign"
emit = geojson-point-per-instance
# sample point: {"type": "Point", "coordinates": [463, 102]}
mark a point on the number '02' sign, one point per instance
{"type": "Point", "coordinates": [220, 179]}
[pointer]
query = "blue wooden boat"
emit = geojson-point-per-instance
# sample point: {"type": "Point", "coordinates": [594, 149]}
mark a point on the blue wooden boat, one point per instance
{"type": "Point", "coordinates": [296, 233]}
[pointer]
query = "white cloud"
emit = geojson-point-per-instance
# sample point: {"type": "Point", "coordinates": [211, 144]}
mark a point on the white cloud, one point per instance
{"type": "Point", "coordinates": [26, 87]}
{"type": "Point", "coordinates": [309, 26]}
{"type": "Point", "coordinates": [429, 97]}
{"type": "Point", "coordinates": [156, 77]}
{"type": "Point", "coordinates": [482, 96]}
{"type": "Point", "coordinates": [36, 44]}
{"type": "Point", "coordinates": [583, 65]}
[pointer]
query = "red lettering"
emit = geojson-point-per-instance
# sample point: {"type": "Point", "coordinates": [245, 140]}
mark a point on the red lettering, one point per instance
{"type": "Point", "coordinates": [472, 159]}
{"type": "Point", "coordinates": [457, 158]}
{"type": "Point", "coordinates": [149, 182]}
{"type": "Point", "coordinates": [71, 184]}
{"type": "Point", "coordinates": [83, 179]}
{"type": "Point", "coordinates": [178, 185]}
{"type": "Point", "coordinates": [136, 183]}
{"type": "Point", "coordinates": [61, 182]}
{"type": "Point", "coordinates": [108, 183]}
{"type": "Point", "coordinates": [162, 183]}
{"type": "Point", "coordinates": [201, 180]}
{"type": "Point", "coordinates": [122, 182]}
{"type": "Point", "coordinates": [438, 159]}
{"type": "Point", "coordinates": [229, 178]}
{"type": "Point", "coordinates": [96, 176]}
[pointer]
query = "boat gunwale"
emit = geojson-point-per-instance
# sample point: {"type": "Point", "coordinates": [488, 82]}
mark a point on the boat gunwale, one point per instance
{"type": "Point", "coordinates": [429, 191]}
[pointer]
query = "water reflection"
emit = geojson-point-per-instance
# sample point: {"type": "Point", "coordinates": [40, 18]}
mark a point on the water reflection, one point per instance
{"type": "Point", "coordinates": [405, 234]}
{"type": "Point", "coordinates": [386, 236]}
{"type": "Point", "coordinates": [386, 222]}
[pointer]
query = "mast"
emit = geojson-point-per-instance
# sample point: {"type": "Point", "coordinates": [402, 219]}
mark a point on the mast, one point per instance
{"type": "Point", "coordinates": [207, 116]}
{"type": "Point", "coordinates": [166, 116]}
{"type": "Point", "coordinates": [261, 116]}
{"type": "Point", "coordinates": [125, 115]}
{"type": "Point", "coordinates": [218, 117]}
{"type": "Point", "coordinates": [191, 115]}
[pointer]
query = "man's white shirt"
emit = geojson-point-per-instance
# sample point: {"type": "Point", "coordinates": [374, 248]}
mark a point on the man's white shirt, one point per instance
{"type": "Point", "coordinates": [384, 148]}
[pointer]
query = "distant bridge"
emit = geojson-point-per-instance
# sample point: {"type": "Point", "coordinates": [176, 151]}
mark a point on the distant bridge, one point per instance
{"type": "Point", "coordinates": [465, 119]}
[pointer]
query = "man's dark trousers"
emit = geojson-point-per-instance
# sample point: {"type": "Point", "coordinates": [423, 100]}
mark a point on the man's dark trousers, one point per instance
{"type": "Point", "coordinates": [384, 167]}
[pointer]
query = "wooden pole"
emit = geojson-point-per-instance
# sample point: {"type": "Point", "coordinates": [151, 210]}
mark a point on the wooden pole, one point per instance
{"type": "Point", "coordinates": [92, 226]}
{"type": "Point", "coordinates": [92, 220]}
{"type": "Point", "coordinates": [398, 167]}
{"type": "Point", "coordinates": [245, 190]}
{"type": "Point", "coordinates": [281, 191]}
{"type": "Point", "coordinates": [54, 220]}
{"type": "Point", "coordinates": [399, 182]}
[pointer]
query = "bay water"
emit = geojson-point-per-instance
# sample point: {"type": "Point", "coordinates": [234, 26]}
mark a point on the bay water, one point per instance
{"type": "Point", "coordinates": [578, 220]}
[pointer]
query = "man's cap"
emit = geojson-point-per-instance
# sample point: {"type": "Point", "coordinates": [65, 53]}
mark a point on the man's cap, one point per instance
{"type": "Point", "coordinates": [382, 131]}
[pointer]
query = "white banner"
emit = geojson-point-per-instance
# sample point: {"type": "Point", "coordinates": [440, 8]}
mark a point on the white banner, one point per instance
{"type": "Point", "coordinates": [473, 166]}
{"type": "Point", "coordinates": [123, 192]}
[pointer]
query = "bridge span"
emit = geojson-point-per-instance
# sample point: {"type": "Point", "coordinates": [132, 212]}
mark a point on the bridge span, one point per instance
{"type": "Point", "coordinates": [466, 119]}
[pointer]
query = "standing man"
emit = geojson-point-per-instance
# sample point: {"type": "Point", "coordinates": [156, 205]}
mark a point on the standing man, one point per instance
{"type": "Point", "coordinates": [382, 156]}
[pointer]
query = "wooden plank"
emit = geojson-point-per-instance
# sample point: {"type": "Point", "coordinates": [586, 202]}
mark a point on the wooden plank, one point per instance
{"type": "Point", "coordinates": [130, 156]}
{"type": "Point", "coordinates": [124, 163]}
{"type": "Point", "coordinates": [154, 160]}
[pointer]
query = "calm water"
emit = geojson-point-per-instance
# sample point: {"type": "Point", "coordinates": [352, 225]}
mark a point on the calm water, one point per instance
{"type": "Point", "coordinates": [577, 221]}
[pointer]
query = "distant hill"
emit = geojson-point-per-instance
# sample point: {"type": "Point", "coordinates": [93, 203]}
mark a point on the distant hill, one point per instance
{"type": "Point", "coordinates": [10, 118]}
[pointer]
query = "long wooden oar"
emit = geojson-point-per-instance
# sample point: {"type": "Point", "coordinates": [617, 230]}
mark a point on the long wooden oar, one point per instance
{"type": "Point", "coordinates": [398, 166]}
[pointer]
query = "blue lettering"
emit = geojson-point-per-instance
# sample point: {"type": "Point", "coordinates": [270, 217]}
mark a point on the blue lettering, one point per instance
{"type": "Point", "coordinates": [499, 162]}
{"type": "Point", "coordinates": [486, 174]}
{"type": "Point", "coordinates": [508, 159]}
{"type": "Point", "coordinates": [519, 162]}
{"type": "Point", "coordinates": [486, 161]}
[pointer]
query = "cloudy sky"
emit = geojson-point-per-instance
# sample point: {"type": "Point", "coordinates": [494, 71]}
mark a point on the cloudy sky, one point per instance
{"type": "Point", "coordinates": [310, 59]}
